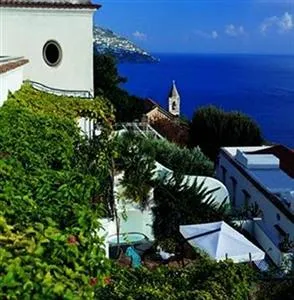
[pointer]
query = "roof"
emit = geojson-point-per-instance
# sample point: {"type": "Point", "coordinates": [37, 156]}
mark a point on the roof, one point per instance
{"type": "Point", "coordinates": [257, 161]}
{"type": "Point", "coordinates": [10, 63]}
{"type": "Point", "coordinates": [221, 241]}
{"type": "Point", "coordinates": [275, 180]}
{"type": "Point", "coordinates": [285, 155]}
{"type": "Point", "coordinates": [268, 181]}
{"type": "Point", "coordinates": [74, 4]}
{"type": "Point", "coordinates": [150, 105]}
{"type": "Point", "coordinates": [173, 91]}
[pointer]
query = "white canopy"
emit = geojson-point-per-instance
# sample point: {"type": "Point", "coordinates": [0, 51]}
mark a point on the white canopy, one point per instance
{"type": "Point", "coordinates": [221, 241]}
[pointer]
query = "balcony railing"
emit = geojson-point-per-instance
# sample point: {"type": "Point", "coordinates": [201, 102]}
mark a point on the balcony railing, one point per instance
{"type": "Point", "coordinates": [144, 129]}
{"type": "Point", "coordinates": [61, 92]}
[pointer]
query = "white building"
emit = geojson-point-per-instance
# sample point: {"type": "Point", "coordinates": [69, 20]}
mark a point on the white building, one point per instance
{"type": "Point", "coordinates": [56, 36]}
{"type": "Point", "coordinates": [262, 176]}
{"type": "Point", "coordinates": [11, 75]}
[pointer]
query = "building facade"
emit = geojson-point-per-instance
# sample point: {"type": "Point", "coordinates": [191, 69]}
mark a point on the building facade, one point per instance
{"type": "Point", "coordinates": [262, 177]}
{"type": "Point", "coordinates": [11, 75]}
{"type": "Point", "coordinates": [55, 36]}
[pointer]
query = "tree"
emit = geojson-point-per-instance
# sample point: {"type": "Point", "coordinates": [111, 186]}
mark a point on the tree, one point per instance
{"type": "Point", "coordinates": [106, 77]}
{"type": "Point", "coordinates": [107, 83]}
{"type": "Point", "coordinates": [179, 202]}
{"type": "Point", "coordinates": [212, 128]}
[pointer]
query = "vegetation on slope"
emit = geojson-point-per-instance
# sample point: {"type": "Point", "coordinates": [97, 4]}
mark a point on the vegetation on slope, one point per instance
{"type": "Point", "coordinates": [54, 184]}
{"type": "Point", "coordinates": [48, 208]}
{"type": "Point", "coordinates": [204, 280]}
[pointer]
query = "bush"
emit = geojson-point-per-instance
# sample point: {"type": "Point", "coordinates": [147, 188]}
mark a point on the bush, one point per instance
{"type": "Point", "coordinates": [49, 215]}
{"type": "Point", "coordinates": [212, 128]}
{"type": "Point", "coordinates": [204, 280]}
{"type": "Point", "coordinates": [180, 160]}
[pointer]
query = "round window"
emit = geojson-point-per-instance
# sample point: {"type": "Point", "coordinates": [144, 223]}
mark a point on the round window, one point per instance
{"type": "Point", "coordinates": [52, 53]}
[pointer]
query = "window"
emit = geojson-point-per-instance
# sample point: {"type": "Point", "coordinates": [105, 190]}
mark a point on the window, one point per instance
{"type": "Point", "coordinates": [217, 161]}
{"type": "Point", "coordinates": [247, 198]}
{"type": "Point", "coordinates": [224, 174]}
{"type": "Point", "coordinates": [52, 53]}
{"type": "Point", "coordinates": [174, 105]}
{"type": "Point", "coordinates": [234, 190]}
{"type": "Point", "coordinates": [282, 233]}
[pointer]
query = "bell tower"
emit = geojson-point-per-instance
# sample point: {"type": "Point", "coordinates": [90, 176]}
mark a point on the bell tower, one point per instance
{"type": "Point", "coordinates": [174, 100]}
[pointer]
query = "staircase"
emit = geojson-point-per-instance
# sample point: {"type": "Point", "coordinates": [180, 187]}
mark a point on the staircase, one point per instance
{"type": "Point", "coordinates": [144, 129]}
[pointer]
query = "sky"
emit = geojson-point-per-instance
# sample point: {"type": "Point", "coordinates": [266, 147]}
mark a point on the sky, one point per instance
{"type": "Point", "coordinates": [202, 26]}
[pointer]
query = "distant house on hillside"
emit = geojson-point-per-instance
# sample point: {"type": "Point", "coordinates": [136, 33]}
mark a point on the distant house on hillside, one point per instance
{"type": "Point", "coordinates": [56, 36]}
{"type": "Point", "coordinates": [167, 122]}
{"type": "Point", "coordinates": [262, 178]}
{"type": "Point", "coordinates": [155, 112]}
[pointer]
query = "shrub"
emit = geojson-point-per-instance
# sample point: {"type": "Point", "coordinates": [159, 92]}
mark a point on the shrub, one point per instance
{"type": "Point", "coordinates": [181, 203]}
{"type": "Point", "coordinates": [49, 215]}
{"type": "Point", "coordinates": [180, 160]}
{"type": "Point", "coordinates": [212, 128]}
{"type": "Point", "coordinates": [204, 280]}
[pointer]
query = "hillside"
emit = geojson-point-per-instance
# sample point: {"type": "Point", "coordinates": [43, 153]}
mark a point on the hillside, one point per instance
{"type": "Point", "coordinates": [106, 41]}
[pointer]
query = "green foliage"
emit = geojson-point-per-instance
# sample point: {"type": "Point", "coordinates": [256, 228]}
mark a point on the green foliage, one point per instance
{"type": "Point", "coordinates": [66, 107]}
{"type": "Point", "coordinates": [49, 188]}
{"type": "Point", "coordinates": [180, 160]}
{"type": "Point", "coordinates": [212, 128]}
{"type": "Point", "coordinates": [43, 262]}
{"type": "Point", "coordinates": [106, 77]}
{"type": "Point", "coordinates": [178, 202]}
{"type": "Point", "coordinates": [138, 168]}
{"type": "Point", "coordinates": [276, 289]}
{"type": "Point", "coordinates": [106, 82]}
{"type": "Point", "coordinates": [204, 280]}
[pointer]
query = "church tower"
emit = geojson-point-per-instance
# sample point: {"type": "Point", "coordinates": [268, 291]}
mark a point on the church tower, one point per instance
{"type": "Point", "coordinates": [174, 100]}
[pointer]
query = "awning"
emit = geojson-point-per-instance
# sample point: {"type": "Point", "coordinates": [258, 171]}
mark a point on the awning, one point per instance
{"type": "Point", "coordinates": [220, 241]}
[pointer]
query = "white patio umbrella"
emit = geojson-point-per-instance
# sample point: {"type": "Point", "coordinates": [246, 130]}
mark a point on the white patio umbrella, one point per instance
{"type": "Point", "coordinates": [221, 242]}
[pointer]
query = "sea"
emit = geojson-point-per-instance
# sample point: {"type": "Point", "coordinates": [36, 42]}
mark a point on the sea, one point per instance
{"type": "Point", "coordinates": [261, 86]}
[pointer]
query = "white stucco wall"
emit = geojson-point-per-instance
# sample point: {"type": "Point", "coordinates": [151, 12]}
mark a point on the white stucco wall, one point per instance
{"type": "Point", "coordinates": [269, 210]}
{"type": "Point", "coordinates": [10, 81]}
{"type": "Point", "coordinates": [24, 32]}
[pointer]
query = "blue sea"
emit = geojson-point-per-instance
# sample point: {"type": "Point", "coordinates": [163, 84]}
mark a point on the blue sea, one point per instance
{"type": "Point", "coordinates": [261, 86]}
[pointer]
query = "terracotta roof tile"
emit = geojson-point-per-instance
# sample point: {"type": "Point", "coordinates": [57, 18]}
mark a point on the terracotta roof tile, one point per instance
{"type": "Point", "coordinates": [75, 4]}
{"type": "Point", "coordinates": [10, 65]}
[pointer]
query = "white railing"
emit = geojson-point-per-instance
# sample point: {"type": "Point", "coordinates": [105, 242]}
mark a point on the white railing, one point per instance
{"type": "Point", "coordinates": [90, 128]}
{"type": "Point", "coordinates": [144, 129]}
{"type": "Point", "coordinates": [60, 92]}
